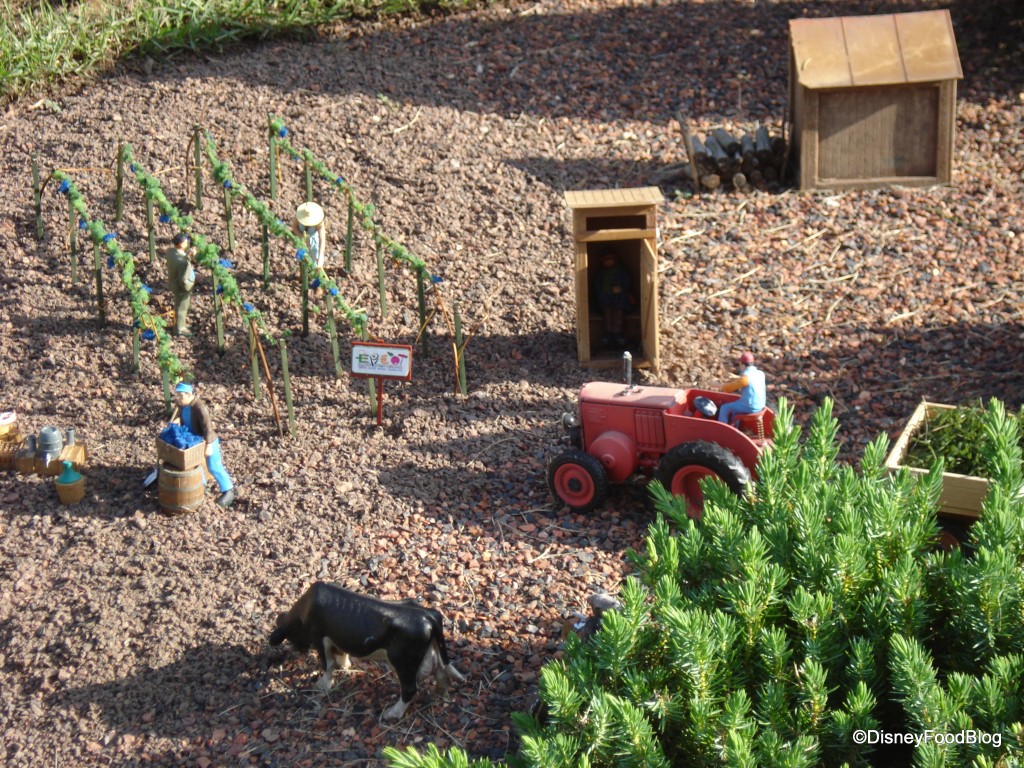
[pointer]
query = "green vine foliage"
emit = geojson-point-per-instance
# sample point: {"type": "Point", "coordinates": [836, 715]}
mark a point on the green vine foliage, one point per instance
{"type": "Point", "coordinates": [124, 262]}
{"type": "Point", "coordinates": [363, 211]}
{"type": "Point", "coordinates": [207, 253]}
{"type": "Point", "coordinates": [781, 626]}
{"type": "Point", "coordinates": [221, 172]}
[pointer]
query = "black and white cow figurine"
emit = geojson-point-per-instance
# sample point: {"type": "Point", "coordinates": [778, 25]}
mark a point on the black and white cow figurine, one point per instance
{"type": "Point", "coordinates": [340, 623]}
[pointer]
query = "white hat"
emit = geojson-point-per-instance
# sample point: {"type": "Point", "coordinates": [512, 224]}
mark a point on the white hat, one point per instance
{"type": "Point", "coordinates": [309, 214]}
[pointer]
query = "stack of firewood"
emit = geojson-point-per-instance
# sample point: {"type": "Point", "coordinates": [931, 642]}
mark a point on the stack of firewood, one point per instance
{"type": "Point", "coordinates": [752, 160]}
{"type": "Point", "coordinates": [720, 159]}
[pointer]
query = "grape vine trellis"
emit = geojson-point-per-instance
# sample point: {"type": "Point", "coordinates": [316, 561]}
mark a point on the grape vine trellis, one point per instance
{"type": "Point", "coordinates": [384, 244]}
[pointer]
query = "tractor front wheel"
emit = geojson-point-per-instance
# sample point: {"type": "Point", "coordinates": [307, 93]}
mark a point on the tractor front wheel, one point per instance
{"type": "Point", "coordinates": [682, 469]}
{"type": "Point", "coordinates": [578, 480]}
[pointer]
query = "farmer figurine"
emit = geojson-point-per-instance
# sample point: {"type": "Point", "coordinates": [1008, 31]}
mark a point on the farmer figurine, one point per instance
{"type": "Point", "coordinates": [181, 278]}
{"type": "Point", "coordinates": [751, 386]}
{"type": "Point", "coordinates": [309, 223]}
{"type": "Point", "coordinates": [193, 414]}
{"type": "Point", "coordinates": [613, 298]}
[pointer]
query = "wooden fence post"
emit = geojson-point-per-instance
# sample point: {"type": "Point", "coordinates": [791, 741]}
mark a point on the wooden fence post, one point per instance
{"type": "Point", "coordinates": [382, 286]}
{"type": "Point", "coordinates": [272, 144]}
{"type": "Point", "coordinates": [197, 166]}
{"type": "Point", "coordinates": [265, 248]}
{"type": "Point", "coordinates": [37, 196]}
{"type": "Point", "coordinates": [348, 236]}
{"type": "Point", "coordinates": [287, 388]}
{"type": "Point", "coordinates": [228, 218]}
{"type": "Point", "coordinates": [97, 263]}
{"type": "Point", "coordinates": [165, 381]}
{"type": "Point", "coordinates": [460, 348]}
{"type": "Point", "coordinates": [150, 225]}
{"type": "Point", "coordinates": [119, 183]}
{"type": "Point", "coordinates": [421, 300]}
{"type": "Point", "coordinates": [332, 331]}
{"type": "Point", "coordinates": [73, 241]}
{"type": "Point", "coordinates": [254, 363]}
{"type": "Point", "coordinates": [136, 343]}
{"type": "Point", "coordinates": [218, 314]}
{"type": "Point", "coordinates": [304, 271]}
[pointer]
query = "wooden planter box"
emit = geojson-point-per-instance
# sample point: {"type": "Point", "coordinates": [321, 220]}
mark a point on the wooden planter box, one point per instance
{"type": "Point", "coordinates": [178, 458]}
{"type": "Point", "coordinates": [961, 494]}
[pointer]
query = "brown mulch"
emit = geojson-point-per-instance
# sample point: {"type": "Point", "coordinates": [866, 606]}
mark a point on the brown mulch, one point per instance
{"type": "Point", "coordinates": [128, 637]}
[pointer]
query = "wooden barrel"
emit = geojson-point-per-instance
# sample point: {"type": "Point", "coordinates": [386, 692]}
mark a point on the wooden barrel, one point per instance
{"type": "Point", "coordinates": [180, 490]}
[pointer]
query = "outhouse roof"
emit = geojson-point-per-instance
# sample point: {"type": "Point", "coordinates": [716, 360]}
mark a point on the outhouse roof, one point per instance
{"type": "Point", "coordinates": [887, 49]}
{"type": "Point", "coordinates": [613, 198]}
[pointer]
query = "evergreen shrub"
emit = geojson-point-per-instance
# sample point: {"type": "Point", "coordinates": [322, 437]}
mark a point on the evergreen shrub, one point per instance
{"type": "Point", "coordinates": [783, 627]}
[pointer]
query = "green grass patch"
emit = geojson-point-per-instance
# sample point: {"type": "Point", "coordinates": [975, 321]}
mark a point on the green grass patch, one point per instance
{"type": "Point", "coordinates": [43, 44]}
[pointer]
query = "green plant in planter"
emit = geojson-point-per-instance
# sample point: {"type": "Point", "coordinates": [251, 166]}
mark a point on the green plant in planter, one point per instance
{"type": "Point", "coordinates": [800, 626]}
{"type": "Point", "coordinates": [957, 436]}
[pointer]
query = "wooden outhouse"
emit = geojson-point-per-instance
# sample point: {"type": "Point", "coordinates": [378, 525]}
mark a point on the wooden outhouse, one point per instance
{"type": "Point", "coordinates": [873, 99]}
{"type": "Point", "coordinates": [615, 233]}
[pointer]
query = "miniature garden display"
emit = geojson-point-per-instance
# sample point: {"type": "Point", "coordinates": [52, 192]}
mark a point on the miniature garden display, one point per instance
{"type": "Point", "coordinates": [764, 591]}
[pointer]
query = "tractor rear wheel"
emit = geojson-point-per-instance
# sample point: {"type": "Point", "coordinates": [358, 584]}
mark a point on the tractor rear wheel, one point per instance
{"type": "Point", "coordinates": [578, 480]}
{"type": "Point", "coordinates": [682, 469]}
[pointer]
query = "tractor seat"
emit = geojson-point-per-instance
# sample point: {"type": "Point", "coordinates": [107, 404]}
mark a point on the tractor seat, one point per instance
{"type": "Point", "coordinates": [751, 423]}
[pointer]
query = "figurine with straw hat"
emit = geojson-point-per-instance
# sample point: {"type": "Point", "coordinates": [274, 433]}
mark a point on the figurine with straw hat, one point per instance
{"type": "Point", "coordinates": [309, 223]}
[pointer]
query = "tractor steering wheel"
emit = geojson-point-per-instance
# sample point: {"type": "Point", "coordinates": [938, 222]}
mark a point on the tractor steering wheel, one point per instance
{"type": "Point", "coordinates": [706, 407]}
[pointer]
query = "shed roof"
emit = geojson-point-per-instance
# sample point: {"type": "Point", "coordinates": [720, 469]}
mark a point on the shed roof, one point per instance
{"type": "Point", "coordinates": [613, 198]}
{"type": "Point", "coordinates": [887, 49]}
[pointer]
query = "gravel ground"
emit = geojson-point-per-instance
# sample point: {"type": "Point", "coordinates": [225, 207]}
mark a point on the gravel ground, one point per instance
{"type": "Point", "coordinates": [129, 637]}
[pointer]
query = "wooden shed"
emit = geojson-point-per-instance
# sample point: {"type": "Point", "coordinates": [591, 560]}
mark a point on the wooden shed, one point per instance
{"type": "Point", "coordinates": [615, 231]}
{"type": "Point", "coordinates": [873, 99]}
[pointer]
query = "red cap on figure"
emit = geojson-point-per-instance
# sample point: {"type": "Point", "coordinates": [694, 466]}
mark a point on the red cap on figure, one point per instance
{"type": "Point", "coordinates": [747, 358]}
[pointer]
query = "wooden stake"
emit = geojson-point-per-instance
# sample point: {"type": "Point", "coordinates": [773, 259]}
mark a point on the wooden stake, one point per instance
{"type": "Point", "coordinates": [218, 314]}
{"type": "Point", "coordinates": [381, 282]}
{"type": "Point", "coordinates": [332, 331]}
{"type": "Point", "coordinates": [287, 388]}
{"type": "Point", "coordinates": [150, 226]}
{"type": "Point", "coordinates": [229, 220]}
{"type": "Point", "coordinates": [254, 363]}
{"type": "Point", "coordinates": [349, 236]}
{"type": "Point", "coordinates": [136, 343]}
{"type": "Point", "coordinates": [421, 300]}
{"type": "Point", "coordinates": [73, 242]}
{"type": "Point", "coordinates": [119, 183]}
{"type": "Point", "coordinates": [97, 263]}
{"type": "Point", "coordinates": [460, 348]}
{"type": "Point", "coordinates": [266, 372]}
{"type": "Point", "coordinates": [37, 196]}
{"type": "Point", "coordinates": [165, 380]}
{"type": "Point", "coordinates": [265, 248]}
{"type": "Point", "coordinates": [272, 145]}
{"type": "Point", "coordinates": [309, 182]}
{"type": "Point", "coordinates": [371, 381]}
{"type": "Point", "coordinates": [304, 271]}
{"type": "Point", "coordinates": [197, 166]}
{"type": "Point", "coordinates": [688, 143]}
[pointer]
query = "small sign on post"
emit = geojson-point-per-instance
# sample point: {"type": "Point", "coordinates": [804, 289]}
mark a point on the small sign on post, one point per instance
{"type": "Point", "coordinates": [372, 360]}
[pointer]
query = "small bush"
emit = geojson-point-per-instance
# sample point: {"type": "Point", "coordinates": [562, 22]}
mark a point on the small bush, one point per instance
{"type": "Point", "coordinates": [786, 628]}
{"type": "Point", "coordinates": [957, 436]}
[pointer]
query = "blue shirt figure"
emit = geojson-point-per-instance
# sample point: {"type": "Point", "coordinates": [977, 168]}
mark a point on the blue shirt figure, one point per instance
{"type": "Point", "coordinates": [195, 417]}
{"type": "Point", "coordinates": [752, 390]}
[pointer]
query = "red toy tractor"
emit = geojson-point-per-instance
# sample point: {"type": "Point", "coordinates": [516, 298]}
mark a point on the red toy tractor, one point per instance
{"type": "Point", "coordinates": [672, 433]}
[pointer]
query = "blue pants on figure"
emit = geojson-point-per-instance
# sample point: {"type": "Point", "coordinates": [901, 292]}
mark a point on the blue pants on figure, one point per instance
{"type": "Point", "coordinates": [215, 464]}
